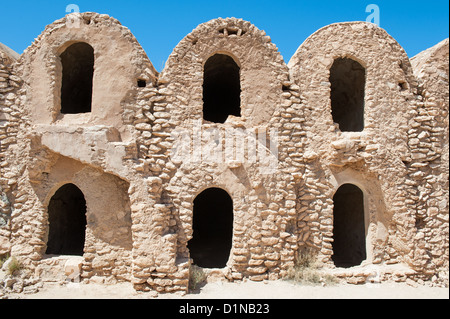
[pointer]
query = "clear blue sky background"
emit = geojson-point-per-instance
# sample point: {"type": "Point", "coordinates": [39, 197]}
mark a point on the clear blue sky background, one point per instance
{"type": "Point", "coordinates": [159, 25]}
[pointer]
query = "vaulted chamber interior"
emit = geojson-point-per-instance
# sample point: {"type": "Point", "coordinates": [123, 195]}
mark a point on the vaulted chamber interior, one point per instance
{"type": "Point", "coordinates": [67, 222]}
{"type": "Point", "coordinates": [348, 81]}
{"type": "Point", "coordinates": [221, 89]}
{"type": "Point", "coordinates": [77, 78]}
{"type": "Point", "coordinates": [213, 229]}
{"type": "Point", "coordinates": [349, 245]}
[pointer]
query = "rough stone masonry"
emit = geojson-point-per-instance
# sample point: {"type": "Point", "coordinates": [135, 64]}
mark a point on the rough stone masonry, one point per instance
{"type": "Point", "coordinates": [229, 159]}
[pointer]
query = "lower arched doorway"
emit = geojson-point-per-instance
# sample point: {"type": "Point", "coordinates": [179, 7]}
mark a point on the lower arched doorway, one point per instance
{"type": "Point", "coordinates": [349, 234]}
{"type": "Point", "coordinates": [67, 222]}
{"type": "Point", "coordinates": [213, 229]}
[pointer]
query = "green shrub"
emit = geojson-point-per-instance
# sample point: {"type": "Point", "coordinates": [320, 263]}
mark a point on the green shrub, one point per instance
{"type": "Point", "coordinates": [3, 258]}
{"type": "Point", "coordinates": [14, 266]}
{"type": "Point", "coordinates": [306, 270]}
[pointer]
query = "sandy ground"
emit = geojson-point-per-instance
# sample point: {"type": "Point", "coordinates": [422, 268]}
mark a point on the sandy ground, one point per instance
{"type": "Point", "coordinates": [245, 290]}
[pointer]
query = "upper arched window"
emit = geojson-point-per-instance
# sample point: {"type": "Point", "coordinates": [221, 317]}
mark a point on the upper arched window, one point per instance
{"type": "Point", "coordinates": [221, 89]}
{"type": "Point", "coordinates": [348, 81]}
{"type": "Point", "coordinates": [77, 77]}
{"type": "Point", "coordinates": [67, 222]}
{"type": "Point", "coordinates": [349, 232]}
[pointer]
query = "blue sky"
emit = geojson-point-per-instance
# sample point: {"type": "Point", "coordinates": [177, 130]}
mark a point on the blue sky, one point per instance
{"type": "Point", "coordinates": [160, 25]}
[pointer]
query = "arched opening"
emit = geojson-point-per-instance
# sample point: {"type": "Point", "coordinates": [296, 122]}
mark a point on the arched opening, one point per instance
{"type": "Point", "coordinates": [348, 82]}
{"type": "Point", "coordinates": [213, 229]}
{"type": "Point", "coordinates": [221, 89]}
{"type": "Point", "coordinates": [349, 245]}
{"type": "Point", "coordinates": [67, 222]}
{"type": "Point", "coordinates": [77, 76]}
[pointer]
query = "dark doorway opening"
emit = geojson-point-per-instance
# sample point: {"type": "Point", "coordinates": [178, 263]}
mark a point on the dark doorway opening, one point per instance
{"type": "Point", "coordinates": [213, 229]}
{"type": "Point", "coordinates": [349, 246]}
{"type": "Point", "coordinates": [67, 222]}
{"type": "Point", "coordinates": [348, 81]}
{"type": "Point", "coordinates": [221, 89]}
{"type": "Point", "coordinates": [77, 76]}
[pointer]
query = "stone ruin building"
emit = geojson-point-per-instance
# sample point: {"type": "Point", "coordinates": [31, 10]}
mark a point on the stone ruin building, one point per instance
{"type": "Point", "coordinates": [90, 177]}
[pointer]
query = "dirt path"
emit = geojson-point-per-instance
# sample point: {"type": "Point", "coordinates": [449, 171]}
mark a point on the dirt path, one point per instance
{"type": "Point", "coordinates": [245, 290]}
